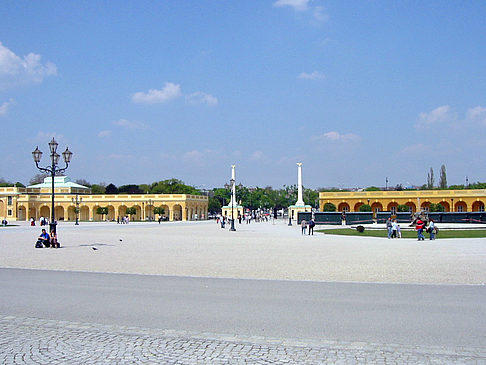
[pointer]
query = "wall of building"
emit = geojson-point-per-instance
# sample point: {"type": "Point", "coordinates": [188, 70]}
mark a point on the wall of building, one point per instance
{"type": "Point", "coordinates": [23, 204]}
{"type": "Point", "coordinates": [472, 200]}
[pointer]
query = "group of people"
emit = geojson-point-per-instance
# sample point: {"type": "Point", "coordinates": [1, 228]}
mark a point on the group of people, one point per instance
{"type": "Point", "coordinates": [124, 220]}
{"type": "Point", "coordinates": [429, 227]}
{"type": "Point", "coordinates": [46, 240]}
{"type": "Point", "coordinates": [304, 225]}
{"type": "Point", "coordinates": [393, 228]}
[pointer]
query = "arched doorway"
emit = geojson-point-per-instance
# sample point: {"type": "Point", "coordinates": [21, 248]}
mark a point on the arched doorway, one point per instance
{"type": "Point", "coordinates": [392, 207]}
{"type": "Point", "coordinates": [425, 206]}
{"type": "Point", "coordinates": [357, 206]}
{"type": "Point", "coordinates": [177, 213]}
{"type": "Point", "coordinates": [122, 211]}
{"type": "Point", "coordinates": [411, 207]}
{"type": "Point", "coordinates": [84, 213]}
{"type": "Point", "coordinates": [22, 214]}
{"type": "Point", "coordinates": [111, 213]}
{"type": "Point", "coordinates": [460, 207]}
{"type": "Point", "coordinates": [165, 215]}
{"type": "Point", "coordinates": [97, 217]}
{"type": "Point", "coordinates": [72, 213]}
{"type": "Point", "coordinates": [478, 206]}
{"type": "Point", "coordinates": [59, 213]}
{"type": "Point", "coordinates": [45, 212]}
{"type": "Point", "coordinates": [447, 207]}
{"type": "Point", "coordinates": [138, 215]}
{"type": "Point", "coordinates": [343, 207]}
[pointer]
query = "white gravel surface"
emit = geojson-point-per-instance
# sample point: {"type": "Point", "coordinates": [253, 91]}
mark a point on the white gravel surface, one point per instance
{"type": "Point", "coordinates": [269, 250]}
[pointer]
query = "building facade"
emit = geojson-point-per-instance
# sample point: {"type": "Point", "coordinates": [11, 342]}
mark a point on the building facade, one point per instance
{"type": "Point", "coordinates": [20, 204]}
{"type": "Point", "coordinates": [471, 200]}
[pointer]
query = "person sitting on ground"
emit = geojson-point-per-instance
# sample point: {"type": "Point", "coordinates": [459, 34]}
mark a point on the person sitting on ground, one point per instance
{"type": "Point", "coordinates": [44, 238]}
{"type": "Point", "coordinates": [54, 241]}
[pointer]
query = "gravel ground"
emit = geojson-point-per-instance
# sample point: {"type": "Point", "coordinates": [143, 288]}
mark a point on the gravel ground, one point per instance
{"type": "Point", "coordinates": [269, 250]}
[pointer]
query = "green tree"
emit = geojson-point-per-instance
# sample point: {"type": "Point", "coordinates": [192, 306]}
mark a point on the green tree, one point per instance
{"type": "Point", "coordinates": [102, 211]}
{"type": "Point", "coordinates": [311, 197]}
{"type": "Point", "coordinates": [223, 195]}
{"type": "Point", "coordinates": [214, 205]}
{"type": "Point", "coordinates": [372, 188]}
{"type": "Point", "coordinates": [131, 211]}
{"type": "Point", "coordinates": [430, 179]}
{"type": "Point", "coordinates": [443, 178]}
{"type": "Point", "coordinates": [157, 210]}
{"type": "Point", "coordinates": [436, 208]}
{"type": "Point", "coordinates": [111, 189]}
{"type": "Point", "coordinates": [98, 189]}
{"type": "Point", "coordinates": [403, 208]}
{"type": "Point", "coordinates": [329, 207]}
{"type": "Point", "coordinates": [129, 189]}
{"type": "Point", "coordinates": [173, 186]}
{"type": "Point", "coordinates": [365, 208]}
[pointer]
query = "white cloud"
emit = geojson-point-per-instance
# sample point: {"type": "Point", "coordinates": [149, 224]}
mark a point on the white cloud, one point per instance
{"type": "Point", "coordinates": [256, 156]}
{"type": "Point", "coordinates": [5, 106]}
{"type": "Point", "coordinates": [129, 124]}
{"type": "Point", "coordinates": [201, 98]}
{"type": "Point", "coordinates": [169, 92]}
{"type": "Point", "coordinates": [298, 5]}
{"type": "Point", "coordinates": [442, 114]}
{"type": "Point", "coordinates": [15, 70]}
{"type": "Point", "coordinates": [477, 113]}
{"type": "Point", "coordinates": [318, 12]}
{"type": "Point", "coordinates": [46, 137]}
{"type": "Point", "coordinates": [316, 75]}
{"type": "Point", "coordinates": [105, 133]}
{"type": "Point", "coordinates": [336, 136]}
{"type": "Point", "coordinates": [416, 149]}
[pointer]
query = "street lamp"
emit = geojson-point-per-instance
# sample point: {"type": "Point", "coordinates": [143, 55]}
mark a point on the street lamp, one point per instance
{"type": "Point", "coordinates": [53, 169]}
{"type": "Point", "coordinates": [77, 201]}
{"type": "Point", "coordinates": [232, 205]}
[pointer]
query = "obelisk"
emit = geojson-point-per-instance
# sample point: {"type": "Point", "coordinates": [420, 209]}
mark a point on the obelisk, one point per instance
{"type": "Point", "coordinates": [300, 196]}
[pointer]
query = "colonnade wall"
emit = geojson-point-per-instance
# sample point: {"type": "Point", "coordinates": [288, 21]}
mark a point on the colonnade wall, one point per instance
{"type": "Point", "coordinates": [16, 205]}
{"type": "Point", "coordinates": [471, 200]}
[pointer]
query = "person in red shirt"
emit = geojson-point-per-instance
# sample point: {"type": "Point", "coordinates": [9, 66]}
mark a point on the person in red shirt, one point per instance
{"type": "Point", "coordinates": [419, 227]}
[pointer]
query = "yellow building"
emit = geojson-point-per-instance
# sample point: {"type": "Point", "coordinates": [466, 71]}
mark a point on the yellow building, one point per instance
{"type": "Point", "coordinates": [35, 202]}
{"type": "Point", "coordinates": [472, 200]}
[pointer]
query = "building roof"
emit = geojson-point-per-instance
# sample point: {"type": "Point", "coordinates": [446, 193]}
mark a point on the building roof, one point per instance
{"type": "Point", "coordinates": [59, 182]}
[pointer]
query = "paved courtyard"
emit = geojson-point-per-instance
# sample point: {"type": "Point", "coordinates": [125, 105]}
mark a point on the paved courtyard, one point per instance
{"type": "Point", "coordinates": [269, 250]}
{"type": "Point", "coordinates": [39, 341]}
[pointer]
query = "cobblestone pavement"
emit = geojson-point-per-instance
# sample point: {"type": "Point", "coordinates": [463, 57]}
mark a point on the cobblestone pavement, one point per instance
{"type": "Point", "coordinates": [40, 341]}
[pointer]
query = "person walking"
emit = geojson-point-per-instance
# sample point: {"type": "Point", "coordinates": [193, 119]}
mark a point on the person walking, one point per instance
{"type": "Point", "coordinates": [394, 229]}
{"type": "Point", "coordinates": [419, 227]}
{"type": "Point", "coordinates": [303, 225]}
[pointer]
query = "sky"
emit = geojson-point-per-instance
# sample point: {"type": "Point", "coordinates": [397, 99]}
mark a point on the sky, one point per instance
{"type": "Point", "coordinates": [142, 91]}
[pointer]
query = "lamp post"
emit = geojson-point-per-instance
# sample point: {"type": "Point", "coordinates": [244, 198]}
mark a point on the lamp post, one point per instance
{"type": "Point", "coordinates": [232, 205]}
{"type": "Point", "coordinates": [77, 201]}
{"type": "Point", "coordinates": [53, 169]}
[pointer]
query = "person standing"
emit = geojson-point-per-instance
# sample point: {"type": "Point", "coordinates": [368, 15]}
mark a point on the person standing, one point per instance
{"type": "Point", "coordinates": [431, 229]}
{"type": "Point", "coordinates": [419, 227]}
{"type": "Point", "coordinates": [389, 227]}
{"type": "Point", "coordinates": [311, 226]}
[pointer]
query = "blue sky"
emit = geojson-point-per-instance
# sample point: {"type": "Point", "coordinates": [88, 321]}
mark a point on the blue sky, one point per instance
{"type": "Point", "coordinates": [142, 91]}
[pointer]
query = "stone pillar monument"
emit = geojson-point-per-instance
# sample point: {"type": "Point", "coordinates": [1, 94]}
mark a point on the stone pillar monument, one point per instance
{"type": "Point", "coordinates": [299, 205]}
{"type": "Point", "coordinates": [300, 196]}
{"type": "Point", "coordinates": [233, 204]}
